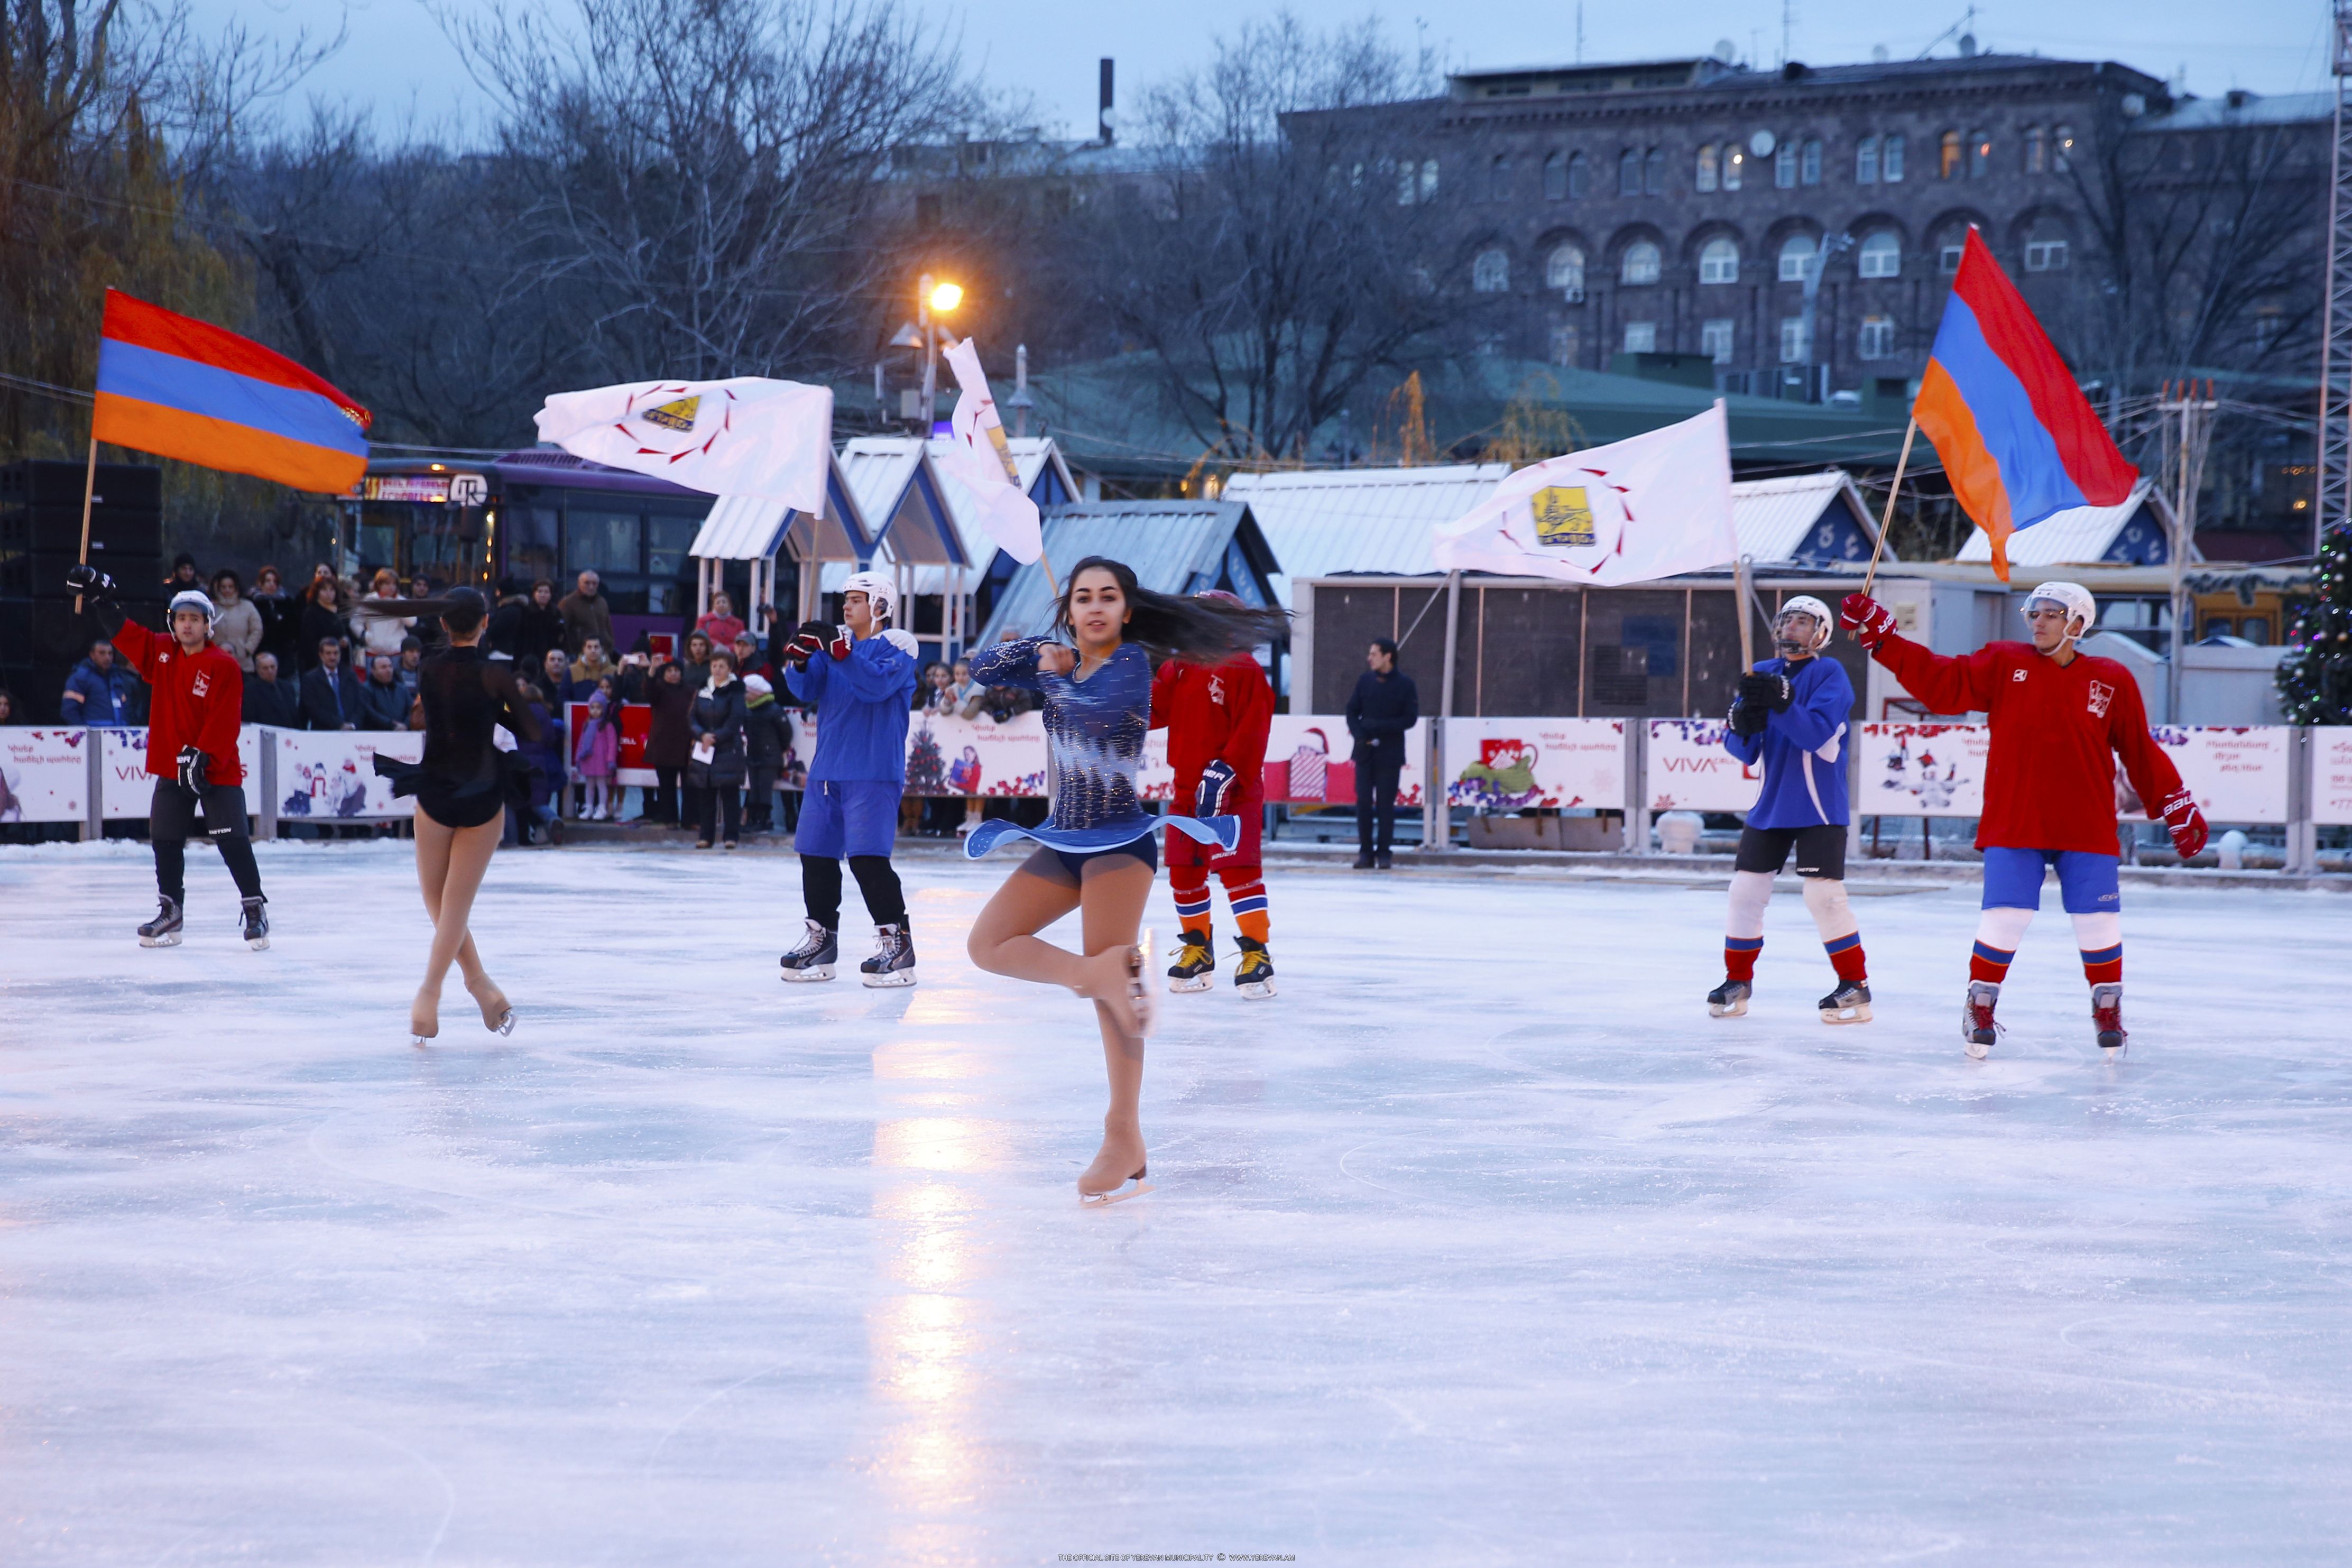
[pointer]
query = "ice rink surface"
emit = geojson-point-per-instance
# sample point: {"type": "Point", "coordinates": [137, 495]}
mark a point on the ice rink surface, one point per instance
{"type": "Point", "coordinates": [1481, 1244]}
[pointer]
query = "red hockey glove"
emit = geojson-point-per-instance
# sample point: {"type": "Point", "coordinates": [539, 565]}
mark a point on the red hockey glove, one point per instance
{"type": "Point", "coordinates": [1219, 782]}
{"type": "Point", "coordinates": [2187, 823]}
{"type": "Point", "coordinates": [1869, 621]}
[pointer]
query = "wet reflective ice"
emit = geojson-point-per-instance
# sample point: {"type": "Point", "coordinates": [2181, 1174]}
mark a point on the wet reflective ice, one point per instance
{"type": "Point", "coordinates": [1481, 1244]}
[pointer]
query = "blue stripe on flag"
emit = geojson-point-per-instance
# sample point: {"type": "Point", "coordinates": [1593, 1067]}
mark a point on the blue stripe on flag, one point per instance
{"type": "Point", "coordinates": [2032, 471]}
{"type": "Point", "coordinates": [126, 370]}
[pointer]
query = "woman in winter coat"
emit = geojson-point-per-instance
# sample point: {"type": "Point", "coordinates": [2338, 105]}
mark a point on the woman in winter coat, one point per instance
{"type": "Point", "coordinates": [667, 739]}
{"type": "Point", "coordinates": [382, 633]}
{"type": "Point", "coordinates": [596, 757]}
{"type": "Point", "coordinates": [716, 766]}
{"type": "Point", "coordinates": [237, 628]}
{"type": "Point", "coordinates": [767, 734]}
{"type": "Point", "coordinates": [281, 619]}
{"type": "Point", "coordinates": [323, 617]}
{"type": "Point", "coordinates": [543, 625]}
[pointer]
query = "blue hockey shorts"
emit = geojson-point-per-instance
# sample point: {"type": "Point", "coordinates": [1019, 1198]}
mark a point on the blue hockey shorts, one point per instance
{"type": "Point", "coordinates": [2086, 883]}
{"type": "Point", "coordinates": [848, 816]}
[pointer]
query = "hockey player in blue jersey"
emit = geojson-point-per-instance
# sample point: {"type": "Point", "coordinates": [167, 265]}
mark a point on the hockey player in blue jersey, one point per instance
{"type": "Point", "coordinates": [860, 678]}
{"type": "Point", "coordinates": [1792, 717]}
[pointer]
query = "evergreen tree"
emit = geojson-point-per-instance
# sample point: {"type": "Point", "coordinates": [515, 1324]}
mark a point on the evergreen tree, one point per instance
{"type": "Point", "coordinates": [927, 769]}
{"type": "Point", "coordinates": [2314, 680]}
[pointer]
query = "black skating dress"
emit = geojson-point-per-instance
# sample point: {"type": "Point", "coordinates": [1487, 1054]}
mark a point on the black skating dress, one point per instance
{"type": "Point", "coordinates": [464, 778]}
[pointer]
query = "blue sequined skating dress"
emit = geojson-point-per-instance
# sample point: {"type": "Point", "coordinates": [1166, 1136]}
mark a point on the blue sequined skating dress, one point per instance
{"type": "Point", "coordinates": [1096, 729]}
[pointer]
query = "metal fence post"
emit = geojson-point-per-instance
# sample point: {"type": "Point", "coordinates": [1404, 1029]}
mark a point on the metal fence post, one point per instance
{"type": "Point", "coordinates": [267, 783]}
{"type": "Point", "coordinates": [2302, 791]}
{"type": "Point", "coordinates": [1637, 786]}
{"type": "Point", "coordinates": [93, 817]}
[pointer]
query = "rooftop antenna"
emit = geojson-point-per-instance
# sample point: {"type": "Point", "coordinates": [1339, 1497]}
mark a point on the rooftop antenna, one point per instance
{"type": "Point", "coordinates": [1579, 32]}
{"type": "Point", "coordinates": [1788, 25]}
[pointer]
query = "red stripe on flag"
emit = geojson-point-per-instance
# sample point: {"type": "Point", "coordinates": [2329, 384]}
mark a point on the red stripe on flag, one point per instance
{"type": "Point", "coordinates": [131, 320]}
{"type": "Point", "coordinates": [1975, 474]}
{"type": "Point", "coordinates": [219, 443]}
{"type": "Point", "coordinates": [2010, 331]}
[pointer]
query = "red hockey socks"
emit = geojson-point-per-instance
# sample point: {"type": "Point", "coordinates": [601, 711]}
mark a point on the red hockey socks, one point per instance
{"type": "Point", "coordinates": [1998, 931]}
{"type": "Point", "coordinates": [2100, 939]}
{"type": "Point", "coordinates": [1990, 964]}
{"type": "Point", "coordinates": [1246, 892]}
{"type": "Point", "coordinates": [1739, 957]}
{"type": "Point", "coordinates": [1191, 886]}
{"type": "Point", "coordinates": [1845, 957]}
{"type": "Point", "coordinates": [2104, 967]}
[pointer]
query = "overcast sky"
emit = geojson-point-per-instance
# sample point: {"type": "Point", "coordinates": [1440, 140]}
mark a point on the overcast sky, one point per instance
{"type": "Point", "coordinates": [398, 60]}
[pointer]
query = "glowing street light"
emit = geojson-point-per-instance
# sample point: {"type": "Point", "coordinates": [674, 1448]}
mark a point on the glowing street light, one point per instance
{"type": "Point", "coordinates": [946, 296]}
{"type": "Point", "coordinates": [933, 299]}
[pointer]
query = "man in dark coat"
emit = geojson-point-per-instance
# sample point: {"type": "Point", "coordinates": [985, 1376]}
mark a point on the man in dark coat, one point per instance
{"type": "Point", "coordinates": [586, 615]}
{"type": "Point", "coordinates": [268, 698]}
{"type": "Point", "coordinates": [330, 698]}
{"type": "Point", "coordinates": [383, 700]}
{"type": "Point", "coordinates": [1383, 708]}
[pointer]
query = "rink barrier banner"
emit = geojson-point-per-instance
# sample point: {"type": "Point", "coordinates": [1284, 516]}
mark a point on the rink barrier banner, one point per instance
{"type": "Point", "coordinates": [330, 776]}
{"type": "Point", "coordinates": [2237, 773]}
{"type": "Point", "coordinates": [1686, 768]}
{"type": "Point", "coordinates": [129, 789]}
{"type": "Point", "coordinates": [1497, 765]}
{"type": "Point", "coordinates": [2331, 775]}
{"type": "Point", "coordinates": [45, 775]}
{"type": "Point", "coordinates": [955, 757]}
{"type": "Point", "coordinates": [1920, 770]}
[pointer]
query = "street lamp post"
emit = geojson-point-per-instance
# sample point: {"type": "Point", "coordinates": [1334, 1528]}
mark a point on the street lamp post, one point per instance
{"type": "Point", "coordinates": [940, 299]}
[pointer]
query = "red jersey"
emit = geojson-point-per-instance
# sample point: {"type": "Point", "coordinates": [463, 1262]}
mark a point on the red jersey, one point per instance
{"type": "Point", "coordinates": [199, 699]}
{"type": "Point", "coordinates": [2057, 729]}
{"type": "Point", "coordinates": [1211, 711]}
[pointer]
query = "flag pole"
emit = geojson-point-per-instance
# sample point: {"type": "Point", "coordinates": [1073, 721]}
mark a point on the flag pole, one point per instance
{"type": "Point", "coordinates": [1746, 632]}
{"type": "Point", "coordinates": [1888, 519]}
{"type": "Point", "coordinates": [88, 487]}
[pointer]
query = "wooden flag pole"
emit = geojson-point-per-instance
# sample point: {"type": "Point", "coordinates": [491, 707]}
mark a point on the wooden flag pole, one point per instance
{"type": "Point", "coordinates": [1888, 519]}
{"type": "Point", "coordinates": [1746, 632]}
{"type": "Point", "coordinates": [89, 486]}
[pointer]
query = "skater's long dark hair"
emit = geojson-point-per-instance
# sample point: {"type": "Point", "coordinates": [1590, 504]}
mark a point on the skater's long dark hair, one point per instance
{"type": "Point", "coordinates": [1197, 630]}
{"type": "Point", "coordinates": [460, 609]}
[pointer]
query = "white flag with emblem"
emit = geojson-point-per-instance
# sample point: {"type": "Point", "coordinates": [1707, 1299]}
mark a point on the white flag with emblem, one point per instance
{"type": "Point", "coordinates": [1645, 508]}
{"type": "Point", "coordinates": [748, 436]}
{"type": "Point", "coordinates": [978, 459]}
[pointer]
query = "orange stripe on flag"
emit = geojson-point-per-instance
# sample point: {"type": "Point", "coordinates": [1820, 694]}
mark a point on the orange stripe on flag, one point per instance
{"type": "Point", "coordinates": [218, 444]}
{"type": "Point", "coordinates": [1974, 472]}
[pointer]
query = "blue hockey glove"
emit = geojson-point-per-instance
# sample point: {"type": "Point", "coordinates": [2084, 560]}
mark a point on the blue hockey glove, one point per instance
{"type": "Point", "coordinates": [1219, 783]}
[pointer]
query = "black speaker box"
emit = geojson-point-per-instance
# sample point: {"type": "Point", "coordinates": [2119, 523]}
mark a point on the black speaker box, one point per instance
{"type": "Point", "coordinates": [127, 487]}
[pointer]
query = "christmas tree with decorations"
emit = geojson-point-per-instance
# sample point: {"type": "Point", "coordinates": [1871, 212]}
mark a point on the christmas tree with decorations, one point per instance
{"type": "Point", "coordinates": [927, 770]}
{"type": "Point", "coordinates": [2314, 679]}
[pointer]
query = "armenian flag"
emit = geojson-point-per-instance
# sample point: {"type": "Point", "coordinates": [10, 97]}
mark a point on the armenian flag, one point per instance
{"type": "Point", "coordinates": [178, 387]}
{"type": "Point", "coordinates": [2017, 438]}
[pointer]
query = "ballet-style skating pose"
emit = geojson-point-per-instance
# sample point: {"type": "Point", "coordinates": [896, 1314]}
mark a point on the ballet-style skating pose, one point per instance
{"type": "Point", "coordinates": [460, 789]}
{"type": "Point", "coordinates": [1097, 853]}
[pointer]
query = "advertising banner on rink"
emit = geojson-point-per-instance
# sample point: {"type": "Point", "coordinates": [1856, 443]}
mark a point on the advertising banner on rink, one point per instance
{"type": "Point", "coordinates": [2331, 774]}
{"type": "Point", "coordinates": [968, 756]}
{"type": "Point", "coordinates": [330, 775]}
{"type": "Point", "coordinates": [1688, 769]}
{"type": "Point", "coordinates": [1308, 763]}
{"type": "Point", "coordinates": [2237, 773]}
{"type": "Point", "coordinates": [1920, 770]}
{"type": "Point", "coordinates": [129, 789]}
{"type": "Point", "coordinates": [1517, 765]}
{"type": "Point", "coordinates": [45, 775]}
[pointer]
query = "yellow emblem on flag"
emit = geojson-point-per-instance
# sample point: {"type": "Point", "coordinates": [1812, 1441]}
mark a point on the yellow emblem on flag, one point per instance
{"type": "Point", "coordinates": [1563, 518]}
{"type": "Point", "coordinates": [678, 416]}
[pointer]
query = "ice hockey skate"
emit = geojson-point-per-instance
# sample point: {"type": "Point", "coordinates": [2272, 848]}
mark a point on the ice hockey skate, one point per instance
{"type": "Point", "coordinates": [1729, 1000]}
{"type": "Point", "coordinates": [163, 930]}
{"type": "Point", "coordinates": [819, 951]}
{"type": "Point", "coordinates": [1977, 1025]}
{"type": "Point", "coordinates": [257, 923]}
{"type": "Point", "coordinates": [893, 962]}
{"type": "Point", "coordinates": [2107, 1016]}
{"type": "Point", "coordinates": [1195, 966]}
{"type": "Point", "coordinates": [1849, 1003]}
{"type": "Point", "coordinates": [1253, 975]}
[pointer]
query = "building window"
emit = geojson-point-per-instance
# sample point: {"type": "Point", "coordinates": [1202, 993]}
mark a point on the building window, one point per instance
{"type": "Point", "coordinates": [1947, 156]}
{"type": "Point", "coordinates": [1715, 339]}
{"type": "Point", "coordinates": [2062, 149]}
{"type": "Point", "coordinates": [1796, 344]}
{"type": "Point", "coordinates": [1735, 164]}
{"type": "Point", "coordinates": [1628, 171]}
{"type": "Point", "coordinates": [1719, 262]}
{"type": "Point", "coordinates": [1881, 255]}
{"type": "Point", "coordinates": [1429, 180]}
{"type": "Point", "coordinates": [1948, 258]}
{"type": "Point", "coordinates": [1416, 182]}
{"type": "Point", "coordinates": [1576, 182]}
{"type": "Point", "coordinates": [1640, 337]}
{"type": "Point", "coordinates": [1980, 155]}
{"type": "Point", "coordinates": [1567, 344]}
{"type": "Point", "coordinates": [2045, 256]}
{"type": "Point", "coordinates": [1499, 178]}
{"type": "Point", "coordinates": [1784, 166]}
{"type": "Point", "coordinates": [1653, 171]}
{"type": "Point", "coordinates": [2037, 150]}
{"type": "Point", "coordinates": [1809, 162]}
{"type": "Point", "coordinates": [1796, 254]}
{"type": "Point", "coordinates": [1640, 263]}
{"type": "Point", "coordinates": [1564, 271]}
{"type": "Point", "coordinates": [1865, 161]}
{"type": "Point", "coordinates": [1555, 178]}
{"type": "Point", "coordinates": [1491, 272]}
{"type": "Point", "coordinates": [1890, 160]}
{"type": "Point", "coordinates": [1877, 338]}
{"type": "Point", "coordinates": [1709, 167]}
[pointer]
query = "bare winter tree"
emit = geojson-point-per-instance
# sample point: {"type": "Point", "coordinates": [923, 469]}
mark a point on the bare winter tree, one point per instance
{"type": "Point", "coordinates": [697, 177]}
{"type": "Point", "coordinates": [1286, 257]}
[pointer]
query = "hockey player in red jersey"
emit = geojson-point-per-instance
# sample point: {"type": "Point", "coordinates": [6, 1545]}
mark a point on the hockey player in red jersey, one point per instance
{"type": "Point", "coordinates": [2060, 720]}
{"type": "Point", "coordinates": [1217, 717]}
{"type": "Point", "coordinates": [192, 729]}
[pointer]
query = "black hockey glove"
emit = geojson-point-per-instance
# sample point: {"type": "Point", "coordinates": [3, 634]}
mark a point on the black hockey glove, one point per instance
{"type": "Point", "coordinates": [1219, 784]}
{"type": "Point", "coordinates": [1772, 693]}
{"type": "Point", "coordinates": [193, 764]}
{"type": "Point", "coordinates": [1748, 717]}
{"type": "Point", "coordinates": [96, 591]}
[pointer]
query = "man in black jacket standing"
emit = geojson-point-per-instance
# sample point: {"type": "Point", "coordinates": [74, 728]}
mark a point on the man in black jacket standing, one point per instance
{"type": "Point", "coordinates": [330, 698]}
{"type": "Point", "coordinates": [1384, 707]}
{"type": "Point", "coordinates": [269, 698]}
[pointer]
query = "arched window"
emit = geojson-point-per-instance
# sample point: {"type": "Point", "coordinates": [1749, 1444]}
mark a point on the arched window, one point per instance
{"type": "Point", "coordinates": [1564, 270]}
{"type": "Point", "coordinates": [1948, 155]}
{"type": "Point", "coordinates": [2037, 150]}
{"type": "Point", "coordinates": [1555, 178]}
{"type": "Point", "coordinates": [2062, 148]}
{"type": "Point", "coordinates": [2045, 247]}
{"type": "Point", "coordinates": [1708, 167]}
{"type": "Point", "coordinates": [1640, 263]}
{"type": "Point", "coordinates": [1980, 155]}
{"type": "Point", "coordinates": [1881, 255]}
{"type": "Point", "coordinates": [1576, 176]}
{"type": "Point", "coordinates": [1628, 171]}
{"type": "Point", "coordinates": [1809, 162]}
{"type": "Point", "coordinates": [1876, 339]}
{"type": "Point", "coordinates": [1890, 160]}
{"type": "Point", "coordinates": [1429, 180]}
{"type": "Point", "coordinates": [1499, 178]}
{"type": "Point", "coordinates": [1784, 166]}
{"type": "Point", "coordinates": [1491, 272]}
{"type": "Point", "coordinates": [1653, 171]}
{"type": "Point", "coordinates": [1735, 164]}
{"type": "Point", "coordinates": [1796, 254]}
{"type": "Point", "coordinates": [1865, 161]}
{"type": "Point", "coordinates": [1718, 262]}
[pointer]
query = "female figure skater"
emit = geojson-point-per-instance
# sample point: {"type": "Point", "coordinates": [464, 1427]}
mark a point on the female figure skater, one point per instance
{"type": "Point", "coordinates": [1098, 852]}
{"type": "Point", "coordinates": [460, 789]}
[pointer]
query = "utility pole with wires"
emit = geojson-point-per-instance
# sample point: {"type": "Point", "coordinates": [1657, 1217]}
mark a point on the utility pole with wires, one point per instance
{"type": "Point", "coordinates": [2186, 423]}
{"type": "Point", "coordinates": [2332, 501]}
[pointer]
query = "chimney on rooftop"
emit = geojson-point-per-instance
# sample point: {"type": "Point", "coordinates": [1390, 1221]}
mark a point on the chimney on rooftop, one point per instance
{"type": "Point", "coordinates": [1107, 117]}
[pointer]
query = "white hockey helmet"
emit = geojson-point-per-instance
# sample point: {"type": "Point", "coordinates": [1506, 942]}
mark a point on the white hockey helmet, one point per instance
{"type": "Point", "coordinates": [1793, 640]}
{"type": "Point", "coordinates": [877, 589]}
{"type": "Point", "coordinates": [191, 599]}
{"type": "Point", "coordinates": [2073, 597]}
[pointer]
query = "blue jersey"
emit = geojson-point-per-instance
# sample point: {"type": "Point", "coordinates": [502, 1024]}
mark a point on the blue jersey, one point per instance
{"type": "Point", "coordinates": [1802, 750]}
{"type": "Point", "coordinates": [862, 706]}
